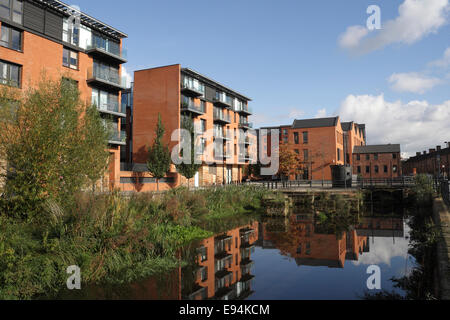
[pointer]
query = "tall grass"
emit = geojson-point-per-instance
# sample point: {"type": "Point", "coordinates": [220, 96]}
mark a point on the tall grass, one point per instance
{"type": "Point", "coordinates": [113, 239]}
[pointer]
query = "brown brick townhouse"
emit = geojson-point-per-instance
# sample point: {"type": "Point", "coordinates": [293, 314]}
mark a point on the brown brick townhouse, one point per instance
{"type": "Point", "coordinates": [377, 161]}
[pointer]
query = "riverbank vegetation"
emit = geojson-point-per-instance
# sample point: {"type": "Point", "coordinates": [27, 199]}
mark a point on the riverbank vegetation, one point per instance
{"type": "Point", "coordinates": [114, 239]}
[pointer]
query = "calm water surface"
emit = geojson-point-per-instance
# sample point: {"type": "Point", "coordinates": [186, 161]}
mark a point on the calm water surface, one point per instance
{"type": "Point", "coordinates": [291, 258]}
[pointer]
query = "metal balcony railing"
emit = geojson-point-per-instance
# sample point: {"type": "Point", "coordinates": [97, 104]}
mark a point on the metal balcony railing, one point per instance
{"type": "Point", "coordinates": [220, 116]}
{"type": "Point", "coordinates": [109, 78]}
{"type": "Point", "coordinates": [118, 137]}
{"type": "Point", "coordinates": [103, 48]}
{"type": "Point", "coordinates": [193, 107]}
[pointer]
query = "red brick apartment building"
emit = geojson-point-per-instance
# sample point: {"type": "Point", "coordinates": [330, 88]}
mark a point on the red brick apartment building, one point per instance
{"type": "Point", "coordinates": [175, 93]}
{"type": "Point", "coordinates": [36, 37]}
{"type": "Point", "coordinates": [225, 265]}
{"type": "Point", "coordinates": [377, 161]}
{"type": "Point", "coordinates": [435, 162]}
{"type": "Point", "coordinates": [321, 143]}
{"type": "Point", "coordinates": [305, 242]}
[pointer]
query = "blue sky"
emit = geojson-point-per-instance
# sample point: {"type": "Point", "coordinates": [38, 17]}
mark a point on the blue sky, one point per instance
{"type": "Point", "coordinates": [289, 58]}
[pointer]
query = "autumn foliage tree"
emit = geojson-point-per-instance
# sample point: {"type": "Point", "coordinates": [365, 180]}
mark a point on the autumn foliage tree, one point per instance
{"type": "Point", "coordinates": [52, 145]}
{"type": "Point", "coordinates": [290, 162]}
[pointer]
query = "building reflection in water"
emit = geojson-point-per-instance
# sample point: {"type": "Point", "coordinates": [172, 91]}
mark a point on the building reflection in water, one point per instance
{"type": "Point", "coordinates": [300, 238]}
{"type": "Point", "coordinates": [223, 268]}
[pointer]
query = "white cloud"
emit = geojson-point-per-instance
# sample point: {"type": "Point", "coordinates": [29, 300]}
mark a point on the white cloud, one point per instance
{"type": "Point", "coordinates": [322, 113]}
{"type": "Point", "coordinates": [444, 62]}
{"type": "Point", "coordinates": [416, 19]}
{"type": "Point", "coordinates": [351, 38]}
{"type": "Point", "coordinates": [128, 76]}
{"type": "Point", "coordinates": [416, 125]}
{"type": "Point", "coordinates": [295, 113]}
{"type": "Point", "coordinates": [412, 82]}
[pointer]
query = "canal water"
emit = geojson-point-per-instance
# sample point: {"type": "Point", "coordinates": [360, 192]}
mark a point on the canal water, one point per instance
{"type": "Point", "coordinates": [302, 256]}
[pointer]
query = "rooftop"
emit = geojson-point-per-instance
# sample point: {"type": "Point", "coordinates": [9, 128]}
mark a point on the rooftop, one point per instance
{"type": "Point", "coordinates": [383, 148]}
{"type": "Point", "coordinates": [214, 83]}
{"type": "Point", "coordinates": [315, 123]}
{"type": "Point", "coordinates": [67, 10]}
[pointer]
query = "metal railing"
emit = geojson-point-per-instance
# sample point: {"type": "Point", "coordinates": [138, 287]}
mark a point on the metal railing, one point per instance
{"type": "Point", "coordinates": [191, 106]}
{"type": "Point", "coordinates": [221, 116]}
{"type": "Point", "coordinates": [118, 52]}
{"type": "Point", "coordinates": [106, 76]}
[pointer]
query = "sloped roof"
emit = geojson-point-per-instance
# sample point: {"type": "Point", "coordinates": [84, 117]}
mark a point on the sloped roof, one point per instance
{"type": "Point", "coordinates": [315, 123]}
{"type": "Point", "coordinates": [346, 126]}
{"type": "Point", "coordinates": [383, 148]}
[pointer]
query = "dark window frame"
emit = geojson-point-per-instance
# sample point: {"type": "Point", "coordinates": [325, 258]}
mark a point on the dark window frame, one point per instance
{"type": "Point", "coordinates": [12, 10]}
{"type": "Point", "coordinates": [9, 44]}
{"type": "Point", "coordinates": [69, 64]}
{"type": "Point", "coordinates": [8, 81]}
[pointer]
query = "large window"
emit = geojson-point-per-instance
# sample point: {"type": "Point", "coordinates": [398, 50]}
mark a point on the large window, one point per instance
{"type": "Point", "coordinates": [11, 38]}
{"type": "Point", "coordinates": [105, 100]}
{"type": "Point", "coordinates": [296, 138]}
{"type": "Point", "coordinates": [108, 45]}
{"type": "Point", "coordinates": [70, 58]}
{"type": "Point", "coordinates": [11, 10]}
{"type": "Point", "coordinates": [106, 72]}
{"type": "Point", "coordinates": [10, 74]}
{"type": "Point", "coordinates": [71, 33]}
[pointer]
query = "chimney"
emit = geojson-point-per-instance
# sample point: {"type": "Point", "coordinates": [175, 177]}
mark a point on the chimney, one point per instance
{"type": "Point", "coordinates": [418, 154]}
{"type": "Point", "coordinates": [438, 148]}
{"type": "Point", "coordinates": [432, 150]}
{"type": "Point", "coordinates": [424, 153]}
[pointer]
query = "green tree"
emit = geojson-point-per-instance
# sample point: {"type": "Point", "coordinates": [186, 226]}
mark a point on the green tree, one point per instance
{"type": "Point", "coordinates": [159, 161]}
{"type": "Point", "coordinates": [188, 170]}
{"type": "Point", "coordinates": [52, 145]}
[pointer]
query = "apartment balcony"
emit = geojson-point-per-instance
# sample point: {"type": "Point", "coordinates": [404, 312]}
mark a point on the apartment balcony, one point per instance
{"type": "Point", "coordinates": [245, 125]}
{"type": "Point", "coordinates": [113, 108]}
{"type": "Point", "coordinates": [196, 291]}
{"type": "Point", "coordinates": [246, 263]}
{"type": "Point", "coordinates": [221, 117]}
{"type": "Point", "coordinates": [118, 138]}
{"type": "Point", "coordinates": [192, 91]}
{"type": "Point", "coordinates": [218, 135]}
{"type": "Point", "coordinates": [224, 103]}
{"type": "Point", "coordinates": [244, 157]}
{"type": "Point", "coordinates": [106, 80]}
{"type": "Point", "coordinates": [195, 108]}
{"type": "Point", "coordinates": [245, 110]}
{"type": "Point", "coordinates": [246, 231]}
{"type": "Point", "coordinates": [224, 293]}
{"type": "Point", "coordinates": [223, 274]}
{"type": "Point", "coordinates": [97, 51]}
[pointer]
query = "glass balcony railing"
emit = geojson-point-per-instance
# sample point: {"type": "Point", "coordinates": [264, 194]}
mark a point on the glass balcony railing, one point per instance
{"type": "Point", "coordinates": [189, 105]}
{"type": "Point", "coordinates": [106, 77]}
{"type": "Point", "coordinates": [220, 116]}
{"type": "Point", "coordinates": [118, 137]}
{"type": "Point", "coordinates": [193, 87]}
{"type": "Point", "coordinates": [102, 47]}
{"type": "Point", "coordinates": [245, 124]}
{"type": "Point", "coordinates": [245, 109]}
{"type": "Point", "coordinates": [113, 107]}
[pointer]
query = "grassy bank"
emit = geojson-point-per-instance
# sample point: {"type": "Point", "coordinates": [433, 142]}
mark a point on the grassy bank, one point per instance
{"type": "Point", "coordinates": [113, 239]}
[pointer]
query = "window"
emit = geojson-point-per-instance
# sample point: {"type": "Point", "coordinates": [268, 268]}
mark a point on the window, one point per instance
{"type": "Point", "coordinates": [367, 169]}
{"type": "Point", "coordinates": [204, 274]}
{"type": "Point", "coordinates": [11, 10]}
{"type": "Point", "coordinates": [10, 74]}
{"type": "Point", "coordinates": [367, 156]}
{"type": "Point", "coordinates": [339, 154]}
{"type": "Point", "coordinates": [105, 100]}
{"type": "Point", "coordinates": [385, 169]}
{"type": "Point", "coordinates": [305, 137]}
{"type": "Point", "coordinates": [297, 151]}
{"type": "Point", "coordinates": [71, 33]}
{"type": "Point", "coordinates": [285, 132]}
{"type": "Point", "coordinates": [359, 169]}
{"type": "Point", "coordinates": [70, 59]}
{"type": "Point", "coordinates": [203, 125]}
{"type": "Point", "coordinates": [296, 138]}
{"type": "Point", "coordinates": [285, 139]}
{"type": "Point", "coordinates": [305, 155]}
{"type": "Point", "coordinates": [394, 169]}
{"type": "Point", "coordinates": [377, 169]}
{"type": "Point", "coordinates": [394, 156]}
{"type": "Point", "coordinates": [375, 156]}
{"type": "Point", "coordinates": [358, 157]}
{"type": "Point", "coordinates": [11, 38]}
